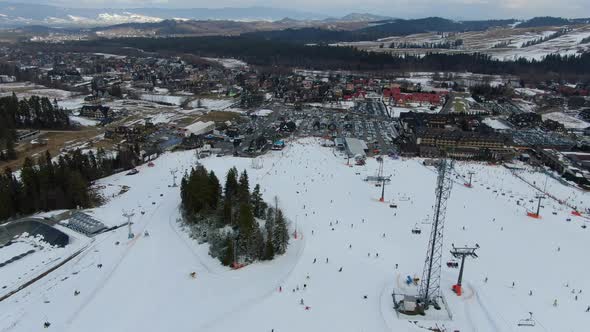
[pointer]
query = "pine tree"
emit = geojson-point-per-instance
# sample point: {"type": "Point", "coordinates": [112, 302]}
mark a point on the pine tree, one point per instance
{"type": "Point", "coordinates": [214, 191]}
{"type": "Point", "coordinates": [244, 188]}
{"type": "Point", "coordinates": [269, 249]}
{"type": "Point", "coordinates": [280, 233]}
{"type": "Point", "coordinates": [258, 205]}
{"type": "Point", "coordinates": [247, 228]}
{"type": "Point", "coordinates": [228, 254]}
{"type": "Point", "coordinates": [10, 152]}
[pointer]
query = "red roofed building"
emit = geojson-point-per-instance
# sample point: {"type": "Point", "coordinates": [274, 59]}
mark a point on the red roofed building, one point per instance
{"type": "Point", "coordinates": [417, 97]}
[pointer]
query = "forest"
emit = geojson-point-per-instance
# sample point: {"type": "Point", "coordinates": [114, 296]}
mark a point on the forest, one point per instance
{"type": "Point", "coordinates": [65, 183]}
{"type": "Point", "coordinates": [239, 226]}
{"type": "Point", "coordinates": [268, 53]}
{"type": "Point", "coordinates": [33, 113]}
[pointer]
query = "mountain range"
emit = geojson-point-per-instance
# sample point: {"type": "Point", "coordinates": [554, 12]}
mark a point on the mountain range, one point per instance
{"type": "Point", "coordinates": [23, 14]}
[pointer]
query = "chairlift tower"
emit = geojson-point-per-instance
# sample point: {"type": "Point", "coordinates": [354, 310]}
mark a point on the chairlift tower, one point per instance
{"type": "Point", "coordinates": [129, 215]}
{"type": "Point", "coordinates": [537, 215]}
{"type": "Point", "coordinates": [462, 253]}
{"type": "Point", "coordinates": [173, 173]}
{"type": "Point", "coordinates": [429, 293]}
{"type": "Point", "coordinates": [469, 184]}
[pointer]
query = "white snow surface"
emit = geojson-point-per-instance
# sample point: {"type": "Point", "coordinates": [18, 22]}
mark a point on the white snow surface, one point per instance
{"type": "Point", "coordinates": [568, 121]}
{"type": "Point", "coordinates": [144, 284]}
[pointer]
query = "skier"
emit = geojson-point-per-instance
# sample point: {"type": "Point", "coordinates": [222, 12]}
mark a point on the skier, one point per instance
{"type": "Point", "coordinates": [312, 232]}
{"type": "Point", "coordinates": [304, 286]}
{"type": "Point", "coordinates": [555, 303]}
{"type": "Point", "coordinates": [513, 284]}
{"type": "Point", "coordinates": [530, 293]}
{"type": "Point", "coordinates": [99, 266]}
{"type": "Point", "coordinates": [376, 254]}
{"type": "Point", "coordinates": [340, 270]}
{"type": "Point", "coordinates": [365, 297]}
{"type": "Point", "coordinates": [485, 280]}
{"type": "Point", "coordinates": [396, 266]}
{"type": "Point", "coordinates": [48, 324]}
{"type": "Point", "coordinates": [588, 309]}
{"type": "Point", "coordinates": [314, 260]}
{"type": "Point", "coordinates": [350, 246]}
{"type": "Point", "coordinates": [76, 292]}
{"type": "Point", "coordinates": [326, 259]}
{"type": "Point", "coordinates": [146, 233]}
{"type": "Point", "coordinates": [301, 302]}
{"type": "Point", "coordinates": [280, 289]}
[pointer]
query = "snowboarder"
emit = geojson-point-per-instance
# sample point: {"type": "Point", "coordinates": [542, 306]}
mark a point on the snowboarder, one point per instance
{"type": "Point", "coordinates": [340, 270]}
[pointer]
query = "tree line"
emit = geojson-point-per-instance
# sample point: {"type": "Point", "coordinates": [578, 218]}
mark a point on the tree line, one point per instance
{"type": "Point", "coordinates": [64, 183]}
{"type": "Point", "coordinates": [230, 218]}
{"type": "Point", "coordinates": [35, 112]}
{"type": "Point", "coordinates": [432, 45]}
{"type": "Point", "coordinates": [271, 53]}
{"type": "Point", "coordinates": [546, 38]}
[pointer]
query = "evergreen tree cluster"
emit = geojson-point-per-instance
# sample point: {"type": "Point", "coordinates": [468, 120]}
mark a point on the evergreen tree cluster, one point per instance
{"type": "Point", "coordinates": [231, 216]}
{"type": "Point", "coordinates": [47, 185]}
{"type": "Point", "coordinates": [35, 112]}
{"type": "Point", "coordinates": [434, 45]}
{"type": "Point", "coordinates": [547, 38]}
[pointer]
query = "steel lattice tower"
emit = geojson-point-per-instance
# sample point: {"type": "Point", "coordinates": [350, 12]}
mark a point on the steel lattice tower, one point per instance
{"type": "Point", "coordinates": [430, 283]}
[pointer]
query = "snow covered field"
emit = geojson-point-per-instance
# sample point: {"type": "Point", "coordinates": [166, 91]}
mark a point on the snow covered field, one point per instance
{"type": "Point", "coordinates": [568, 121]}
{"type": "Point", "coordinates": [144, 284]}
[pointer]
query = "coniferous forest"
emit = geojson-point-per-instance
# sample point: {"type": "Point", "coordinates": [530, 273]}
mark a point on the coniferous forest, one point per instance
{"type": "Point", "coordinates": [239, 226]}
{"type": "Point", "coordinates": [33, 113]}
{"type": "Point", "coordinates": [64, 183]}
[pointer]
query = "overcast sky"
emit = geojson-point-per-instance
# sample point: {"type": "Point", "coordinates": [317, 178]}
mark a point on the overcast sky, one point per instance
{"type": "Point", "coordinates": [463, 9]}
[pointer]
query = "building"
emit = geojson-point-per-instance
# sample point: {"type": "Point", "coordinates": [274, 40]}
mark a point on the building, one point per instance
{"type": "Point", "coordinates": [96, 112]}
{"type": "Point", "coordinates": [85, 224]}
{"type": "Point", "coordinates": [199, 128]}
{"type": "Point", "coordinates": [355, 147]}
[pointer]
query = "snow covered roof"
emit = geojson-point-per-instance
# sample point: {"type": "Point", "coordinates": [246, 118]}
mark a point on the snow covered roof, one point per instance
{"type": "Point", "coordinates": [200, 127]}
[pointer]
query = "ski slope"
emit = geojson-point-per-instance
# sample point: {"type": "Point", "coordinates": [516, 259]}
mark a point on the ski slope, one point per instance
{"type": "Point", "coordinates": [144, 283]}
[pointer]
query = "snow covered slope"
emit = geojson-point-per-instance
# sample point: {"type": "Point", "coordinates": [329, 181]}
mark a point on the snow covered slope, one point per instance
{"type": "Point", "coordinates": [144, 283]}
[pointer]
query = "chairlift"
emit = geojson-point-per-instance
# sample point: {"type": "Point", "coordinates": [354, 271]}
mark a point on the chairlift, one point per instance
{"type": "Point", "coordinates": [527, 321]}
{"type": "Point", "coordinates": [416, 229]}
{"type": "Point", "coordinates": [453, 263]}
